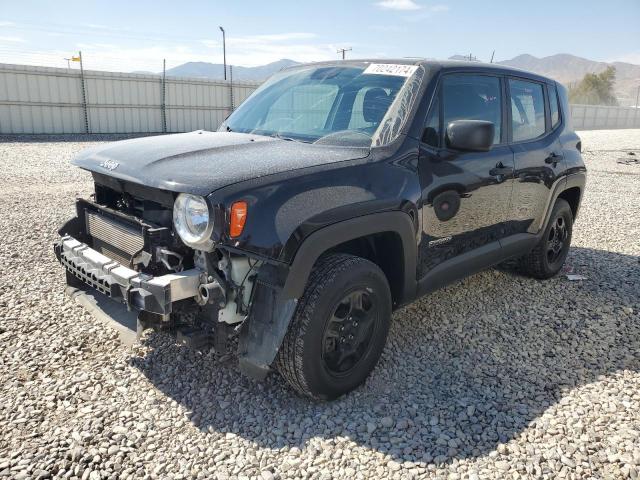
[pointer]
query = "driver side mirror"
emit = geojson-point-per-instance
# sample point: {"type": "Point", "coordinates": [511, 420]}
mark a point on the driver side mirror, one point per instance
{"type": "Point", "coordinates": [470, 135]}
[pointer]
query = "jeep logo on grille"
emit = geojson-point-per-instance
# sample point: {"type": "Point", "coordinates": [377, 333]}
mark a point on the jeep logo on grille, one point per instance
{"type": "Point", "coordinates": [109, 164]}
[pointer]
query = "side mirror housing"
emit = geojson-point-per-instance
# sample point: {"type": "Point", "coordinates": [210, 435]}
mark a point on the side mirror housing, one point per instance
{"type": "Point", "coordinates": [470, 135]}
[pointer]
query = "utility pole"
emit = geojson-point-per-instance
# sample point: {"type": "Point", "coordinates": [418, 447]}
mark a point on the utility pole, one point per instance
{"type": "Point", "coordinates": [224, 51]}
{"type": "Point", "coordinates": [637, 96]}
{"type": "Point", "coordinates": [494, 52]}
{"type": "Point", "coordinates": [343, 51]}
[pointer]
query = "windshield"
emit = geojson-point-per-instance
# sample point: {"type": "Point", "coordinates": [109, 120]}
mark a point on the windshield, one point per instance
{"type": "Point", "coordinates": [334, 105]}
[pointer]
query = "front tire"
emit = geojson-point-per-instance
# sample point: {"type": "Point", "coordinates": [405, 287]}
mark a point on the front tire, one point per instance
{"type": "Point", "coordinates": [339, 328]}
{"type": "Point", "coordinates": [548, 256]}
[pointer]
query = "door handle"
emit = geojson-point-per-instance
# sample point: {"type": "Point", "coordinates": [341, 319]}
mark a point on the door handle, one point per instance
{"type": "Point", "coordinates": [554, 158]}
{"type": "Point", "coordinates": [500, 170]}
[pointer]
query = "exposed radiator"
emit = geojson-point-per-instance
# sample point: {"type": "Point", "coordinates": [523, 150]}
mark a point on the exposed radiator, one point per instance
{"type": "Point", "coordinates": [112, 238]}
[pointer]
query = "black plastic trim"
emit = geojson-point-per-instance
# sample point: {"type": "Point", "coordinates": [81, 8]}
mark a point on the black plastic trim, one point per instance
{"type": "Point", "coordinates": [324, 239]}
{"type": "Point", "coordinates": [459, 267]}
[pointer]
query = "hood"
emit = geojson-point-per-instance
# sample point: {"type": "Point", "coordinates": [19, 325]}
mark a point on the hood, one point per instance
{"type": "Point", "coordinates": [201, 162]}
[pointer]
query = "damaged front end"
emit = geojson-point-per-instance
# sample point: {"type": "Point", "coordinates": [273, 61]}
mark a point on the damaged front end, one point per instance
{"type": "Point", "coordinates": [123, 244]}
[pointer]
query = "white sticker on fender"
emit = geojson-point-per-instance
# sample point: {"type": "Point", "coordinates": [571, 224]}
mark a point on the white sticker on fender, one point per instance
{"type": "Point", "coordinates": [390, 69]}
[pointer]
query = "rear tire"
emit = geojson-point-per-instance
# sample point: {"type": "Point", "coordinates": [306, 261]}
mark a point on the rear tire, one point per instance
{"type": "Point", "coordinates": [549, 255]}
{"type": "Point", "coordinates": [339, 328]}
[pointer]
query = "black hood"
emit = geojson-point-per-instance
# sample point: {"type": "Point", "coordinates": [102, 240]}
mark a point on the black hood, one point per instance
{"type": "Point", "coordinates": [201, 162]}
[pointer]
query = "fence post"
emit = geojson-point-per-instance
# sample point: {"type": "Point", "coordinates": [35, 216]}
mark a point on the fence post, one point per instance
{"type": "Point", "coordinates": [163, 97]}
{"type": "Point", "coordinates": [84, 96]}
{"type": "Point", "coordinates": [635, 114]}
{"type": "Point", "coordinates": [231, 87]}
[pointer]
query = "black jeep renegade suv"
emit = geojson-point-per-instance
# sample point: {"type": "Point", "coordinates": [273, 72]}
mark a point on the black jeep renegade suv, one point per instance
{"type": "Point", "coordinates": [336, 193]}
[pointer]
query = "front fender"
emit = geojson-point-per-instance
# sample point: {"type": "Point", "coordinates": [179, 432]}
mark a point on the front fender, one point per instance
{"type": "Point", "coordinates": [397, 222]}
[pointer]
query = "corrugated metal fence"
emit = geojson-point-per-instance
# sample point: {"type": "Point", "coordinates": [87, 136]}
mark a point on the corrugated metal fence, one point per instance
{"type": "Point", "coordinates": [49, 100]}
{"type": "Point", "coordinates": [600, 117]}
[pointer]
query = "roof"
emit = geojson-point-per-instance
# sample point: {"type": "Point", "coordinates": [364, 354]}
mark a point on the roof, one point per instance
{"type": "Point", "coordinates": [441, 65]}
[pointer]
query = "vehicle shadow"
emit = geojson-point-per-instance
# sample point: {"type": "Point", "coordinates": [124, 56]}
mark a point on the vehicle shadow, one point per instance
{"type": "Point", "coordinates": [465, 369]}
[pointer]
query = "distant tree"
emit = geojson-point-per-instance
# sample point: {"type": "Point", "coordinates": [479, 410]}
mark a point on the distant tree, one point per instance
{"type": "Point", "coordinates": [595, 89]}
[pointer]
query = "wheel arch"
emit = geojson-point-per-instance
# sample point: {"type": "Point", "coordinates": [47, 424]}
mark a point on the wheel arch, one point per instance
{"type": "Point", "coordinates": [572, 195]}
{"type": "Point", "coordinates": [569, 188]}
{"type": "Point", "coordinates": [387, 238]}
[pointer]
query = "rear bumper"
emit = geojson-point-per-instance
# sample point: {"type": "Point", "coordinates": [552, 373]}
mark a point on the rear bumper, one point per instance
{"type": "Point", "coordinates": [136, 290]}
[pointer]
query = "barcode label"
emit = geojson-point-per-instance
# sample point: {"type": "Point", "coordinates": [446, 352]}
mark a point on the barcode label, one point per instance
{"type": "Point", "coordinates": [390, 69]}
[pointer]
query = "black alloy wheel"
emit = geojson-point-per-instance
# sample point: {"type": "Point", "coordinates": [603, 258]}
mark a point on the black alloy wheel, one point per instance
{"type": "Point", "coordinates": [348, 333]}
{"type": "Point", "coordinates": [556, 240]}
{"type": "Point", "coordinates": [339, 328]}
{"type": "Point", "coordinates": [548, 256]}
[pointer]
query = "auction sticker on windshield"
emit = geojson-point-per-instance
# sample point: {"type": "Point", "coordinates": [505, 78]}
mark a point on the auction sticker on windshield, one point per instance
{"type": "Point", "coordinates": [390, 69]}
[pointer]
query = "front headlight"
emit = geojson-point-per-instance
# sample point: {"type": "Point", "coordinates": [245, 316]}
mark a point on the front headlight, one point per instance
{"type": "Point", "coordinates": [192, 220]}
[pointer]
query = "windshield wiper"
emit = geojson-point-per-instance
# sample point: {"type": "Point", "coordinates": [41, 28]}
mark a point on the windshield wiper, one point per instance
{"type": "Point", "coordinates": [288, 139]}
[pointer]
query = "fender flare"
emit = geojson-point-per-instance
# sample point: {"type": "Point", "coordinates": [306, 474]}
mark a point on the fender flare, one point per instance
{"type": "Point", "coordinates": [572, 180]}
{"type": "Point", "coordinates": [398, 222]}
{"type": "Point", "coordinates": [576, 180]}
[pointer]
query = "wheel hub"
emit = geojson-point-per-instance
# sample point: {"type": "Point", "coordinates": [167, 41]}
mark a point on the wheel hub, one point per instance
{"type": "Point", "coordinates": [349, 331]}
{"type": "Point", "coordinates": [557, 239]}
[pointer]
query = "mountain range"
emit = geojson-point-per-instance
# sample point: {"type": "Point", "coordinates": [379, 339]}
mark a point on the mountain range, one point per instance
{"type": "Point", "coordinates": [568, 69]}
{"type": "Point", "coordinates": [216, 70]}
{"type": "Point", "coordinates": [563, 67]}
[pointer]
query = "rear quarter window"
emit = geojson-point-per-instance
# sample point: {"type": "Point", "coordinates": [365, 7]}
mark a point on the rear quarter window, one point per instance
{"type": "Point", "coordinates": [553, 106]}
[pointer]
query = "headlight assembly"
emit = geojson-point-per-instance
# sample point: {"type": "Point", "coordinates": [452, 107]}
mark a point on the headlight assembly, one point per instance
{"type": "Point", "coordinates": [192, 221]}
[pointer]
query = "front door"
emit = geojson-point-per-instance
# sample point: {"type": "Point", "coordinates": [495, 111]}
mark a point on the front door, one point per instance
{"type": "Point", "coordinates": [465, 195]}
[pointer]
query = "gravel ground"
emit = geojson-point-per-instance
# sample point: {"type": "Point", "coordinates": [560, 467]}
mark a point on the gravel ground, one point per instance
{"type": "Point", "coordinates": [498, 376]}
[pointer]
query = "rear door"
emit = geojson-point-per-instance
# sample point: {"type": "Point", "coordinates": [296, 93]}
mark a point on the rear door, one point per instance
{"type": "Point", "coordinates": [537, 151]}
{"type": "Point", "coordinates": [465, 195]}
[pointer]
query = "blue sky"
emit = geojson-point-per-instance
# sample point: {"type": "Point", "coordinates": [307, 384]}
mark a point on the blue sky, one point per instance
{"type": "Point", "coordinates": [137, 35]}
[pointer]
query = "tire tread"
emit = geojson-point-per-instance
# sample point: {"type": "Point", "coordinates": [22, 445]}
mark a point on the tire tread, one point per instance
{"type": "Point", "coordinates": [289, 361]}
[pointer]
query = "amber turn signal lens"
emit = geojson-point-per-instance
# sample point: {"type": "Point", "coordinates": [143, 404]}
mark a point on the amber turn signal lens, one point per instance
{"type": "Point", "coordinates": [238, 218]}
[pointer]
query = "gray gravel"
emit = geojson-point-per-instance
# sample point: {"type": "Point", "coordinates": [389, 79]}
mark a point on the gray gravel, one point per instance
{"type": "Point", "coordinates": [498, 376]}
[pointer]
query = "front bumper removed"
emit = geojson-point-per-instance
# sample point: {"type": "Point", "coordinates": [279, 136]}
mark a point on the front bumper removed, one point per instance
{"type": "Point", "coordinates": [134, 289]}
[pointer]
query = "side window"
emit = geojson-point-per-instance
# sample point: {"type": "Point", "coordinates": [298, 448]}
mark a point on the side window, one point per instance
{"type": "Point", "coordinates": [553, 106]}
{"type": "Point", "coordinates": [473, 97]}
{"type": "Point", "coordinates": [431, 133]}
{"type": "Point", "coordinates": [527, 110]}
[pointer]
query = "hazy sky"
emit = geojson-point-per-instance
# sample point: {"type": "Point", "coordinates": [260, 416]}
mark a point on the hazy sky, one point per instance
{"type": "Point", "coordinates": [137, 35]}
